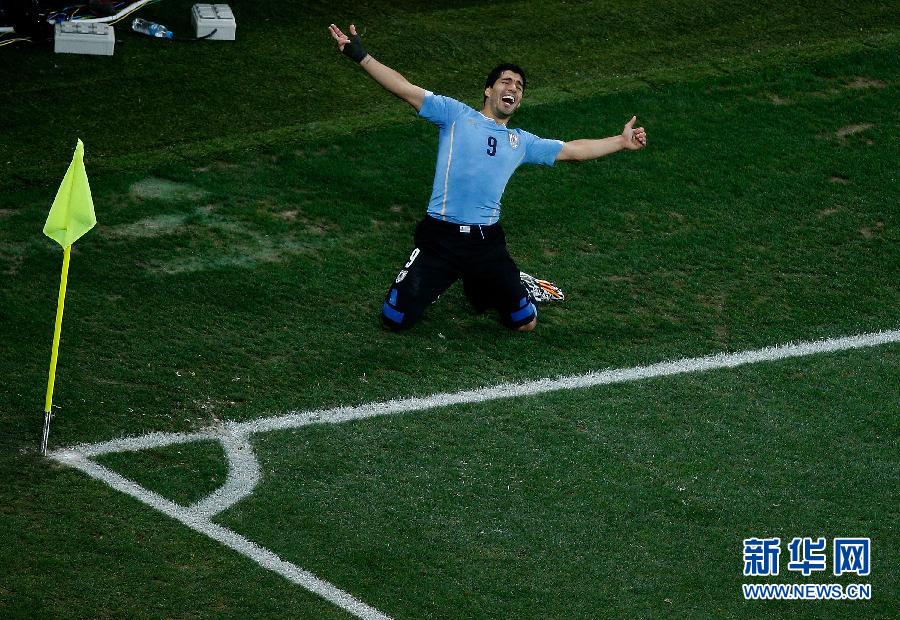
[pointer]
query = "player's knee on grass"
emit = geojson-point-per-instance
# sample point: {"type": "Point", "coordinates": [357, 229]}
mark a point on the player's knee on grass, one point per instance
{"type": "Point", "coordinates": [529, 327]}
{"type": "Point", "coordinates": [523, 318]}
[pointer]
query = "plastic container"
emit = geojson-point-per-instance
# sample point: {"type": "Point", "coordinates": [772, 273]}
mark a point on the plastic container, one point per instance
{"type": "Point", "coordinates": [151, 29]}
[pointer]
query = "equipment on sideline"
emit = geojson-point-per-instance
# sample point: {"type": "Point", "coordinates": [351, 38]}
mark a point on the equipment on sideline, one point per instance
{"type": "Point", "coordinates": [92, 38]}
{"type": "Point", "coordinates": [213, 21]}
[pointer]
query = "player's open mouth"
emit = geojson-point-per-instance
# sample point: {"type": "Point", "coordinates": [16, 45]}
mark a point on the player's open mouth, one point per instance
{"type": "Point", "coordinates": [508, 99]}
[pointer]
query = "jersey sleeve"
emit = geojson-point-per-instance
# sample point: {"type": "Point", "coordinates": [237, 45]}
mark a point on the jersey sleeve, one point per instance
{"type": "Point", "coordinates": [440, 110]}
{"type": "Point", "coordinates": [540, 150]}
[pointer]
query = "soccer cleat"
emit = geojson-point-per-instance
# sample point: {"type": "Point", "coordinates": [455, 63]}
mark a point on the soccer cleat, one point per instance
{"type": "Point", "coordinates": [541, 291]}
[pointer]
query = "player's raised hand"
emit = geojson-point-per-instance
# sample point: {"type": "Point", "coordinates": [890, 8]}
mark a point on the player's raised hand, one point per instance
{"type": "Point", "coordinates": [634, 138]}
{"type": "Point", "coordinates": [349, 46]}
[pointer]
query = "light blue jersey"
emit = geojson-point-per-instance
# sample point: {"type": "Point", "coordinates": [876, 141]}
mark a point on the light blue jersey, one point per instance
{"type": "Point", "coordinates": [476, 158]}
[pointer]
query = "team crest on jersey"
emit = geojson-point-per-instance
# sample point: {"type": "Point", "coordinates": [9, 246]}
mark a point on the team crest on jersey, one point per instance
{"type": "Point", "coordinates": [514, 139]}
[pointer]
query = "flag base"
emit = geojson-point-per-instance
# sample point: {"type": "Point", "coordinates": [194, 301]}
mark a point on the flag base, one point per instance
{"type": "Point", "coordinates": [46, 436]}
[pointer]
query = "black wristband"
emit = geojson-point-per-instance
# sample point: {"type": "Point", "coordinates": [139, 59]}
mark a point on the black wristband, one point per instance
{"type": "Point", "coordinates": [354, 49]}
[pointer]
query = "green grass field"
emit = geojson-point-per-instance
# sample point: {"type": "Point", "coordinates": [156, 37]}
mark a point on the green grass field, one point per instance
{"type": "Point", "coordinates": [254, 201]}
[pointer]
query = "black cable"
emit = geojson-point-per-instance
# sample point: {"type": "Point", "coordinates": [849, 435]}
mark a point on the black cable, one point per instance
{"type": "Point", "coordinates": [9, 38]}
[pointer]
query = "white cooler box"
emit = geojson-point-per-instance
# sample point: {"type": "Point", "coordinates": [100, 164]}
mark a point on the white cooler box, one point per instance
{"type": "Point", "coordinates": [209, 17]}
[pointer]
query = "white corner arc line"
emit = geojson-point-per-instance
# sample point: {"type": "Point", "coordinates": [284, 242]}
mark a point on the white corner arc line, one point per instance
{"type": "Point", "coordinates": [201, 523]}
{"type": "Point", "coordinates": [243, 476]}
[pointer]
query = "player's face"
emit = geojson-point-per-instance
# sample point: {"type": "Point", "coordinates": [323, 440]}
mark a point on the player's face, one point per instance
{"type": "Point", "coordinates": [505, 95]}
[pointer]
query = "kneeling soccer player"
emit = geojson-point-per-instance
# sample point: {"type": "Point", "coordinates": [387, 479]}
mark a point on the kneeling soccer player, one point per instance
{"type": "Point", "coordinates": [460, 237]}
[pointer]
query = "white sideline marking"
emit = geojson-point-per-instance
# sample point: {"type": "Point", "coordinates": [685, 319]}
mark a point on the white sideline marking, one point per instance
{"type": "Point", "coordinates": [590, 379]}
{"type": "Point", "coordinates": [201, 523]}
{"type": "Point", "coordinates": [296, 419]}
{"type": "Point", "coordinates": [243, 467]}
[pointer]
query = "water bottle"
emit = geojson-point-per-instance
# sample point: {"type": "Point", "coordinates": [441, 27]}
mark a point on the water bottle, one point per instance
{"type": "Point", "coordinates": [151, 29]}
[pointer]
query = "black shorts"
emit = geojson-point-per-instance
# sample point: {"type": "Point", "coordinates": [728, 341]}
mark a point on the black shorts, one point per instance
{"type": "Point", "coordinates": [446, 252]}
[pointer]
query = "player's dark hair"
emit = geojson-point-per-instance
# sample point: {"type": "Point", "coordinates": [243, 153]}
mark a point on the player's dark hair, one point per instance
{"type": "Point", "coordinates": [497, 71]}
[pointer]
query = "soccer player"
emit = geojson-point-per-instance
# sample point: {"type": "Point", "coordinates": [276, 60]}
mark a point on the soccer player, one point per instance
{"type": "Point", "coordinates": [477, 153]}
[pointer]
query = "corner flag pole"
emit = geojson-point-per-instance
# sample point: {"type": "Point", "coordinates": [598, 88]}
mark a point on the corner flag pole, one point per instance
{"type": "Point", "coordinates": [48, 402]}
{"type": "Point", "coordinates": [71, 215]}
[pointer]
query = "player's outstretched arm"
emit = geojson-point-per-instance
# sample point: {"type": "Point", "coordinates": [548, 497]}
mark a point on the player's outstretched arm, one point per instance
{"type": "Point", "coordinates": [631, 139]}
{"type": "Point", "coordinates": [392, 81]}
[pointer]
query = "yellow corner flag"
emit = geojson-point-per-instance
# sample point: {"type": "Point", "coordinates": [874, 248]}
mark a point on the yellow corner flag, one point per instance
{"type": "Point", "coordinates": [71, 215]}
